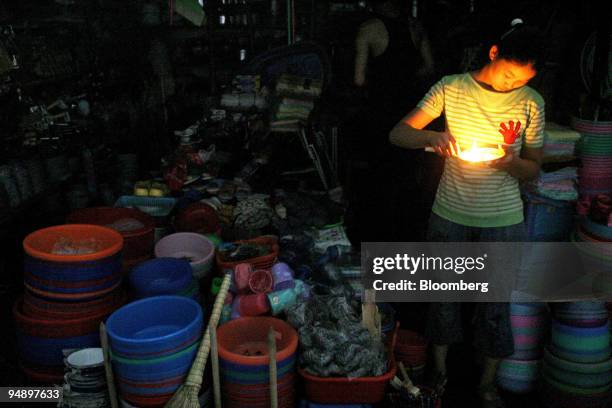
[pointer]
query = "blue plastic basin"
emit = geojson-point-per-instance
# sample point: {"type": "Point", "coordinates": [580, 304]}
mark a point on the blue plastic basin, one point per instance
{"type": "Point", "coordinates": [155, 326]}
{"type": "Point", "coordinates": [161, 276]}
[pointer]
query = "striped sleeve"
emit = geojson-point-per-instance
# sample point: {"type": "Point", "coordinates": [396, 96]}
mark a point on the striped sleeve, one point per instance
{"type": "Point", "coordinates": [534, 132]}
{"type": "Point", "coordinates": [433, 102]}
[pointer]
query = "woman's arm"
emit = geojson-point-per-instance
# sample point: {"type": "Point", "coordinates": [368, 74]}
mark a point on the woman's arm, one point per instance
{"type": "Point", "coordinates": [525, 167]}
{"type": "Point", "coordinates": [409, 134]}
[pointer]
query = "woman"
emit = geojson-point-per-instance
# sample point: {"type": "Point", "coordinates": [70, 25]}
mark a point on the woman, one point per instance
{"type": "Point", "coordinates": [492, 105]}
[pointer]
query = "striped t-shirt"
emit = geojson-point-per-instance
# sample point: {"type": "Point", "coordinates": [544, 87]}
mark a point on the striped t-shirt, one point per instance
{"type": "Point", "coordinates": [473, 195]}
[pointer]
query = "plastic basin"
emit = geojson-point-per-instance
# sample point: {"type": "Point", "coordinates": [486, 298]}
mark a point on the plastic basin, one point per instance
{"type": "Point", "coordinates": [155, 326]}
{"type": "Point", "coordinates": [244, 340]}
{"type": "Point", "coordinates": [161, 276]}
{"type": "Point", "coordinates": [39, 244]}
{"type": "Point", "coordinates": [195, 248]}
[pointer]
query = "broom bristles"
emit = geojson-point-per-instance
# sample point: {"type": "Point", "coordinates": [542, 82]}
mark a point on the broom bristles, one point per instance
{"type": "Point", "coordinates": [185, 397]}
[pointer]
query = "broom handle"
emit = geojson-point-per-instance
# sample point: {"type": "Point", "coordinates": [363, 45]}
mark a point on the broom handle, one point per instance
{"type": "Point", "coordinates": [108, 368]}
{"type": "Point", "coordinates": [215, 368]}
{"type": "Point", "coordinates": [195, 373]}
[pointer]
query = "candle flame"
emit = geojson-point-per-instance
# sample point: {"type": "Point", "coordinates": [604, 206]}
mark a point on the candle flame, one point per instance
{"type": "Point", "coordinates": [481, 154]}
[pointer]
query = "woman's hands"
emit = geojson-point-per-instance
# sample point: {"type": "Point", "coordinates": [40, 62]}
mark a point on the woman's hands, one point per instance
{"type": "Point", "coordinates": [443, 143]}
{"type": "Point", "coordinates": [505, 162]}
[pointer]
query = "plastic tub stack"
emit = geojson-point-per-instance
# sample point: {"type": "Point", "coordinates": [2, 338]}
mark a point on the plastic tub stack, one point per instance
{"type": "Point", "coordinates": [196, 248]}
{"type": "Point", "coordinates": [595, 152]}
{"type": "Point", "coordinates": [72, 279]}
{"type": "Point", "coordinates": [85, 379]}
{"type": "Point", "coordinates": [559, 149]}
{"type": "Point", "coordinates": [520, 372]}
{"type": "Point", "coordinates": [549, 199]}
{"type": "Point", "coordinates": [595, 231]}
{"type": "Point", "coordinates": [153, 343]}
{"type": "Point", "coordinates": [164, 276]}
{"type": "Point", "coordinates": [136, 227]}
{"type": "Point", "coordinates": [609, 307]}
{"type": "Point", "coordinates": [577, 367]}
{"type": "Point", "coordinates": [244, 362]}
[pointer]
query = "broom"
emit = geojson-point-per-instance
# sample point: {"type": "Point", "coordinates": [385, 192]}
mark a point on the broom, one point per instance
{"type": "Point", "coordinates": [108, 368]}
{"type": "Point", "coordinates": [272, 368]}
{"type": "Point", "coordinates": [187, 395]}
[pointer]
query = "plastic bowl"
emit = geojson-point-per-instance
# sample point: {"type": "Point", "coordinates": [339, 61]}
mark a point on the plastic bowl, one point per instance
{"type": "Point", "coordinates": [72, 297]}
{"type": "Point", "coordinates": [52, 328]}
{"type": "Point", "coordinates": [161, 276]}
{"type": "Point", "coordinates": [553, 397]}
{"type": "Point", "coordinates": [154, 326]}
{"type": "Point", "coordinates": [154, 376]}
{"type": "Point", "coordinates": [146, 402]}
{"type": "Point", "coordinates": [598, 230]}
{"type": "Point", "coordinates": [581, 339]}
{"type": "Point", "coordinates": [72, 287]}
{"type": "Point", "coordinates": [164, 387]}
{"type": "Point", "coordinates": [244, 340]}
{"type": "Point", "coordinates": [527, 309]}
{"type": "Point", "coordinates": [39, 244]}
{"type": "Point", "coordinates": [582, 380]}
{"type": "Point", "coordinates": [86, 358]}
{"type": "Point", "coordinates": [196, 248]}
{"type": "Point", "coordinates": [37, 307]}
{"type": "Point", "coordinates": [136, 369]}
{"type": "Point", "coordinates": [571, 366]}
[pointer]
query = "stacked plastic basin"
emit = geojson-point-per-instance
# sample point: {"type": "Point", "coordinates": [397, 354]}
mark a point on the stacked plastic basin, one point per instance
{"type": "Point", "coordinates": [136, 227]}
{"type": "Point", "coordinates": [244, 362]}
{"type": "Point", "coordinates": [609, 307]}
{"type": "Point", "coordinates": [153, 343]}
{"type": "Point", "coordinates": [577, 367]}
{"type": "Point", "coordinates": [596, 253]}
{"type": "Point", "coordinates": [72, 277]}
{"type": "Point", "coordinates": [595, 147]}
{"type": "Point", "coordinates": [196, 248]}
{"type": "Point", "coordinates": [521, 371]}
{"type": "Point", "coordinates": [164, 276]}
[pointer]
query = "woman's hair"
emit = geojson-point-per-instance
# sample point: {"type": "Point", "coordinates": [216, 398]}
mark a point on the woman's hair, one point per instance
{"type": "Point", "coordinates": [522, 44]}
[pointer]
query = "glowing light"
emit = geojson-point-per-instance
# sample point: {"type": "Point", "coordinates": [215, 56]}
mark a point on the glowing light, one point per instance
{"type": "Point", "coordinates": [481, 154]}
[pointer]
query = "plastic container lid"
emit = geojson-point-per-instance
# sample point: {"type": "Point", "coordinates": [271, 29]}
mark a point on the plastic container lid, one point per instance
{"type": "Point", "coordinates": [261, 281]}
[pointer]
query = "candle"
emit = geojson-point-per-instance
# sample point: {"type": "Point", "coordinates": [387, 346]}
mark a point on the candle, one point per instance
{"type": "Point", "coordinates": [478, 154]}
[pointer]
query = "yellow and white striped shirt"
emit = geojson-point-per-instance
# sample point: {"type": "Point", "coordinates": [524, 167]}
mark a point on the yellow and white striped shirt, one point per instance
{"type": "Point", "coordinates": [475, 195]}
